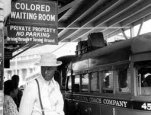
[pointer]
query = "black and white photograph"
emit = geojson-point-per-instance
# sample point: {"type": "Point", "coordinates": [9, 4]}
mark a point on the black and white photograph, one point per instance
{"type": "Point", "coordinates": [75, 57]}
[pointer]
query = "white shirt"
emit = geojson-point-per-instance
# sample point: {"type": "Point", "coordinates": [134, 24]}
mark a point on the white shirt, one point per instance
{"type": "Point", "coordinates": [51, 97]}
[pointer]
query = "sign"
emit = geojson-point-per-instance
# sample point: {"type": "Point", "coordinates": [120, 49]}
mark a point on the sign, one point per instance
{"type": "Point", "coordinates": [34, 12]}
{"type": "Point", "coordinates": [33, 21]}
{"type": "Point", "coordinates": [32, 34]}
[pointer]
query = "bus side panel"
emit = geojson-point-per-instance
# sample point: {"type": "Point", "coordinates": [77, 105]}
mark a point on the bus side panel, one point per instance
{"type": "Point", "coordinates": [121, 111]}
{"type": "Point", "coordinates": [95, 109]}
{"type": "Point", "coordinates": [89, 109]}
{"type": "Point", "coordinates": [71, 107]}
{"type": "Point", "coordinates": [107, 110]}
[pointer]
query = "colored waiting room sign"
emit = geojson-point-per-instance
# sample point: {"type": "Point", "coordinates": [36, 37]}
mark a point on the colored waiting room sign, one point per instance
{"type": "Point", "coordinates": [33, 22]}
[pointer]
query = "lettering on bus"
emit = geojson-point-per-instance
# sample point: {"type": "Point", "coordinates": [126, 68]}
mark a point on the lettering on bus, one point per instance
{"type": "Point", "coordinates": [142, 105]}
{"type": "Point", "coordinates": [113, 102]}
{"type": "Point", "coordinates": [81, 98]}
{"type": "Point", "coordinates": [146, 106]}
{"type": "Point", "coordinates": [99, 100]}
{"type": "Point", "coordinates": [95, 100]}
{"type": "Point", "coordinates": [118, 103]}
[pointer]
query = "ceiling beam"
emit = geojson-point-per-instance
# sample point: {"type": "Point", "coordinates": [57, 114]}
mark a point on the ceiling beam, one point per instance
{"type": "Point", "coordinates": [136, 17]}
{"type": "Point", "coordinates": [113, 13]}
{"type": "Point", "coordinates": [134, 20]}
{"type": "Point", "coordinates": [120, 9]}
{"type": "Point", "coordinates": [80, 12]}
{"type": "Point", "coordinates": [140, 27]}
{"type": "Point", "coordinates": [67, 11]}
{"type": "Point", "coordinates": [103, 27]}
{"type": "Point", "coordinates": [70, 5]}
{"type": "Point", "coordinates": [102, 10]}
{"type": "Point", "coordinates": [83, 8]}
{"type": "Point", "coordinates": [130, 12]}
{"type": "Point", "coordinates": [99, 11]}
{"type": "Point", "coordinates": [70, 31]}
{"type": "Point", "coordinates": [117, 31]}
{"type": "Point", "coordinates": [106, 33]}
{"type": "Point", "coordinates": [96, 30]}
{"type": "Point", "coordinates": [112, 33]}
{"type": "Point", "coordinates": [124, 6]}
{"type": "Point", "coordinates": [80, 33]}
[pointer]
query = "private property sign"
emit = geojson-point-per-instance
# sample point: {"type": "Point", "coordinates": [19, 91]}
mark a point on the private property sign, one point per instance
{"type": "Point", "coordinates": [34, 34]}
{"type": "Point", "coordinates": [33, 21]}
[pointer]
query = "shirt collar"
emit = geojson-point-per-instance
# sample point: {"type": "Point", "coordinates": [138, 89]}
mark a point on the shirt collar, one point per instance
{"type": "Point", "coordinates": [47, 82]}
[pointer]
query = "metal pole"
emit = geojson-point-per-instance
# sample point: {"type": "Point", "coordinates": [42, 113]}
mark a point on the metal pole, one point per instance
{"type": "Point", "coordinates": [1, 57]}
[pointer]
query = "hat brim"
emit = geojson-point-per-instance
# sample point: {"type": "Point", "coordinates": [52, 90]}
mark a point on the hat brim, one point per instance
{"type": "Point", "coordinates": [49, 64]}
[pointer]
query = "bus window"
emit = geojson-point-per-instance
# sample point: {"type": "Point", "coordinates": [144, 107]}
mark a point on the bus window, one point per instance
{"type": "Point", "coordinates": [108, 82]}
{"type": "Point", "coordinates": [85, 82]}
{"type": "Point", "coordinates": [76, 85]}
{"type": "Point", "coordinates": [94, 82]}
{"type": "Point", "coordinates": [69, 83]}
{"type": "Point", "coordinates": [124, 80]}
{"type": "Point", "coordinates": [144, 81]}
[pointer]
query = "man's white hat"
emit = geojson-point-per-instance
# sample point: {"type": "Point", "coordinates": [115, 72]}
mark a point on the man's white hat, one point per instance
{"type": "Point", "coordinates": [48, 59]}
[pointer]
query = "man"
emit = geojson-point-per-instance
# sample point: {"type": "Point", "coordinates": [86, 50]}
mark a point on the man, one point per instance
{"type": "Point", "coordinates": [51, 97]}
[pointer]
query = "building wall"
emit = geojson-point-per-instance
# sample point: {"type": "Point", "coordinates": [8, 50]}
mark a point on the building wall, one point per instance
{"type": "Point", "coordinates": [23, 66]}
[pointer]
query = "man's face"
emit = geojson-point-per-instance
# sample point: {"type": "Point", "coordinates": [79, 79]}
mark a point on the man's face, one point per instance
{"type": "Point", "coordinates": [48, 72]}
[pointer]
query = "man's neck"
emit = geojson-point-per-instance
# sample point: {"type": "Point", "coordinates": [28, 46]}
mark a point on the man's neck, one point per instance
{"type": "Point", "coordinates": [47, 82]}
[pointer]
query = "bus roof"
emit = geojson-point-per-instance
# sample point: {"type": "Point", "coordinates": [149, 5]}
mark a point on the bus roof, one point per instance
{"type": "Point", "coordinates": [139, 44]}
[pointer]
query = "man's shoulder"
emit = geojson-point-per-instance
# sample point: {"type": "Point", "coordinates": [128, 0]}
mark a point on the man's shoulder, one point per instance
{"type": "Point", "coordinates": [32, 83]}
{"type": "Point", "coordinates": [56, 83]}
{"type": "Point", "coordinates": [32, 77]}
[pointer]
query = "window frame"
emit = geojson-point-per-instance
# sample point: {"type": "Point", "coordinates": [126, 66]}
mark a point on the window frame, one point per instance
{"type": "Point", "coordinates": [129, 84]}
{"type": "Point", "coordinates": [106, 90]}
{"type": "Point", "coordinates": [141, 91]}
{"type": "Point", "coordinates": [88, 85]}
{"type": "Point", "coordinates": [98, 82]}
{"type": "Point", "coordinates": [67, 84]}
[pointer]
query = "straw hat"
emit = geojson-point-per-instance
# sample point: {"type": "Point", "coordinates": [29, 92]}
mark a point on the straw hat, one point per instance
{"type": "Point", "coordinates": [48, 60]}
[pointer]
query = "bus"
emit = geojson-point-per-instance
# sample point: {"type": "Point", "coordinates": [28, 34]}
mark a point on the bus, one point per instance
{"type": "Point", "coordinates": [113, 80]}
